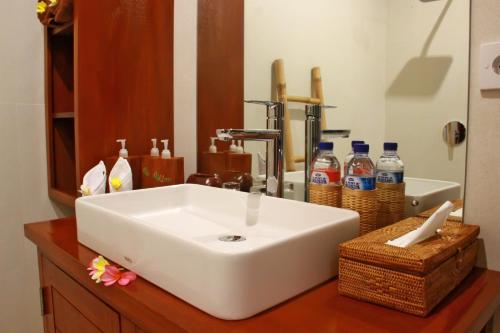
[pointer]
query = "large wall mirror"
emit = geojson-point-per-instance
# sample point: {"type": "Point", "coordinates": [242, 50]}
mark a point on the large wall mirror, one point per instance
{"type": "Point", "coordinates": [395, 69]}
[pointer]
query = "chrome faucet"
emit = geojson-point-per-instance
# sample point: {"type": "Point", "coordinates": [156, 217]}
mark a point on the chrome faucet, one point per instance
{"type": "Point", "coordinates": [273, 136]}
{"type": "Point", "coordinates": [313, 137]}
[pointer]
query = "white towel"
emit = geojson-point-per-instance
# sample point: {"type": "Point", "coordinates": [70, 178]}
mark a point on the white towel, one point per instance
{"type": "Point", "coordinates": [94, 181]}
{"type": "Point", "coordinates": [457, 213]}
{"type": "Point", "coordinates": [426, 230]}
{"type": "Point", "coordinates": [120, 177]}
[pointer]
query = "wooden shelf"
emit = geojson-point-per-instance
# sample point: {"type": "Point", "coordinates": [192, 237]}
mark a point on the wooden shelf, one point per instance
{"type": "Point", "coordinates": [88, 67]}
{"type": "Point", "coordinates": [63, 115]}
{"type": "Point", "coordinates": [63, 30]}
{"type": "Point", "coordinates": [62, 197]}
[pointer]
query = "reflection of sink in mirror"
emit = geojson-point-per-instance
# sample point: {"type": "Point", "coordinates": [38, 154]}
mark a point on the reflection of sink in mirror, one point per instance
{"type": "Point", "coordinates": [228, 253]}
{"type": "Point", "coordinates": [421, 194]}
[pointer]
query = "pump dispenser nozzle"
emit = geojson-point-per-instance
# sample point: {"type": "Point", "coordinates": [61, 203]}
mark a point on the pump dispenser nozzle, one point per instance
{"type": "Point", "coordinates": [123, 152]}
{"type": "Point", "coordinates": [165, 154]}
{"type": "Point", "coordinates": [154, 151]}
{"type": "Point", "coordinates": [213, 147]}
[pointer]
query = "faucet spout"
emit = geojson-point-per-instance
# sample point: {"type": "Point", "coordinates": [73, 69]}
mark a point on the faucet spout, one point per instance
{"type": "Point", "coordinates": [250, 135]}
{"type": "Point", "coordinates": [273, 136]}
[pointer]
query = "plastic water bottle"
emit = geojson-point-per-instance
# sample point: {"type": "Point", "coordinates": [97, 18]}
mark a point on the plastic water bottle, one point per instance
{"type": "Point", "coordinates": [325, 167]}
{"type": "Point", "coordinates": [360, 171]}
{"type": "Point", "coordinates": [349, 156]}
{"type": "Point", "coordinates": [390, 168]}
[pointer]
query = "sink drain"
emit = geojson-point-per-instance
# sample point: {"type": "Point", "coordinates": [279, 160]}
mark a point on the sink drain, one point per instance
{"type": "Point", "coordinates": [232, 238]}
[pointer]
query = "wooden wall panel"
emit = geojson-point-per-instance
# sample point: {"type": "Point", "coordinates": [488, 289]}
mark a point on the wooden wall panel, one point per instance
{"type": "Point", "coordinates": [220, 68]}
{"type": "Point", "coordinates": [123, 77]}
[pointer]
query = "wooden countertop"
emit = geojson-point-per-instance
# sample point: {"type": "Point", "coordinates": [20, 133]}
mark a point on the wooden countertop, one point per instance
{"type": "Point", "coordinates": [321, 309]}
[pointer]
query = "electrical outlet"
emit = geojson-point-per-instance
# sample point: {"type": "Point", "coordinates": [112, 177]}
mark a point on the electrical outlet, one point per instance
{"type": "Point", "coordinates": [490, 66]}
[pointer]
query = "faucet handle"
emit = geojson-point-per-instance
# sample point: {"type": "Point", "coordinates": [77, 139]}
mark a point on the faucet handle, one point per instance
{"type": "Point", "coordinates": [321, 106]}
{"type": "Point", "coordinates": [329, 133]}
{"type": "Point", "coordinates": [269, 104]}
{"type": "Point", "coordinates": [314, 110]}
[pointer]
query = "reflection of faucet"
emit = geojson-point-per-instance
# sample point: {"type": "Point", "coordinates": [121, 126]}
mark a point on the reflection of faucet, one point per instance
{"type": "Point", "coordinates": [273, 136]}
{"type": "Point", "coordinates": [312, 139]}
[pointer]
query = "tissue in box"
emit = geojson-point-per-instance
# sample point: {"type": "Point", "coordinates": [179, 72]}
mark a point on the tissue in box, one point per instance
{"type": "Point", "coordinates": [413, 279]}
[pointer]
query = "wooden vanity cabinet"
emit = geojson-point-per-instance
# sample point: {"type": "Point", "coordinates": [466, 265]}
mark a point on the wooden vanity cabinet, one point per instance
{"type": "Point", "coordinates": [76, 304]}
{"type": "Point", "coordinates": [68, 307]}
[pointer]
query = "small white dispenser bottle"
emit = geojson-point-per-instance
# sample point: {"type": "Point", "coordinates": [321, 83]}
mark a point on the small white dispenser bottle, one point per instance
{"type": "Point", "coordinates": [213, 147]}
{"type": "Point", "coordinates": [155, 152]}
{"type": "Point", "coordinates": [165, 153]}
{"type": "Point", "coordinates": [233, 148]}
{"type": "Point", "coordinates": [123, 151]}
{"type": "Point", "coordinates": [239, 148]}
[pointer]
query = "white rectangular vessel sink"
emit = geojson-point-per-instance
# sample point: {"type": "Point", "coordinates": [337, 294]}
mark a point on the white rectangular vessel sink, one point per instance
{"type": "Point", "coordinates": [228, 253]}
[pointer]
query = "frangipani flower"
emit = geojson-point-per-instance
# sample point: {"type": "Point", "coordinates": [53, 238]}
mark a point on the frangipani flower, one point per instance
{"type": "Point", "coordinates": [101, 271]}
{"type": "Point", "coordinates": [41, 7]}
{"type": "Point", "coordinates": [116, 183]}
{"type": "Point", "coordinates": [97, 267]}
{"type": "Point", "coordinates": [113, 274]}
{"type": "Point", "coordinates": [53, 3]}
{"type": "Point", "coordinates": [85, 190]}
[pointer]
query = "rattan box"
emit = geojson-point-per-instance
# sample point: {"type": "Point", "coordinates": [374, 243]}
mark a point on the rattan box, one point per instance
{"type": "Point", "coordinates": [413, 279]}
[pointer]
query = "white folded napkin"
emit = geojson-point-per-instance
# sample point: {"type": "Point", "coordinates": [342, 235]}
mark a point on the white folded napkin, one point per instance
{"type": "Point", "coordinates": [426, 230]}
{"type": "Point", "coordinates": [94, 181]}
{"type": "Point", "coordinates": [120, 177]}
{"type": "Point", "coordinates": [457, 213]}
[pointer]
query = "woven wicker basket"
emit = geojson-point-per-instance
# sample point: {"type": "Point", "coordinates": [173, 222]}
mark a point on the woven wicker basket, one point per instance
{"type": "Point", "coordinates": [328, 195]}
{"type": "Point", "coordinates": [413, 279]}
{"type": "Point", "coordinates": [457, 205]}
{"type": "Point", "coordinates": [391, 199]}
{"type": "Point", "coordinates": [366, 204]}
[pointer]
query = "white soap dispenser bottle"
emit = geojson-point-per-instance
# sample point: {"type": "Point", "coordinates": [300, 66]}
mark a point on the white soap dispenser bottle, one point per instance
{"type": "Point", "coordinates": [165, 153]}
{"type": "Point", "coordinates": [213, 147]}
{"type": "Point", "coordinates": [232, 147]}
{"type": "Point", "coordinates": [155, 152]}
{"type": "Point", "coordinates": [240, 149]}
{"type": "Point", "coordinates": [123, 151]}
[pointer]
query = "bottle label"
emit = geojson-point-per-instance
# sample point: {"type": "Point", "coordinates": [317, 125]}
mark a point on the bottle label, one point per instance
{"type": "Point", "coordinates": [390, 177]}
{"type": "Point", "coordinates": [360, 183]}
{"type": "Point", "coordinates": [325, 176]}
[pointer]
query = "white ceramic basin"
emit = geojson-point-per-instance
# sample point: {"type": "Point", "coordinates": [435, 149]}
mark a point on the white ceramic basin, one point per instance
{"type": "Point", "coordinates": [421, 194]}
{"type": "Point", "coordinates": [170, 236]}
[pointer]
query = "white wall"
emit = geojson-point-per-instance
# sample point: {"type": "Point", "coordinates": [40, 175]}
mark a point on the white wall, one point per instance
{"type": "Point", "coordinates": [185, 55]}
{"type": "Point", "coordinates": [23, 172]}
{"type": "Point", "coordinates": [483, 161]}
{"type": "Point", "coordinates": [417, 106]}
{"type": "Point", "coordinates": [347, 39]}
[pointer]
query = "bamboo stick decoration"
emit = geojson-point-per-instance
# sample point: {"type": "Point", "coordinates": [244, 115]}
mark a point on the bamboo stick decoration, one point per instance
{"type": "Point", "coordinates": [279, 93]}
{"type": "Point", "coordinates": [279, 70]}
{"type": "Point", "coordinates": [317, 92]}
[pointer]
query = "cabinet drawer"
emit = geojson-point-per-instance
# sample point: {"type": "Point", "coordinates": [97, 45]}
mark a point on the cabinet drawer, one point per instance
{"type": "Point", "coordinates": [72, 307]}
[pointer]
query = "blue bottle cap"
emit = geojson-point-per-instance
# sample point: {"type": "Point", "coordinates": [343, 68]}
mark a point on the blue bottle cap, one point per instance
{"type": "Point", "coordinates": [326, 146]}
{"type": "Point", "coordinates": [361, 148]}
{"type": "Point", "coordinates": [355, 142]}
{"type": "Point", "coordinates": [390, 146]}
